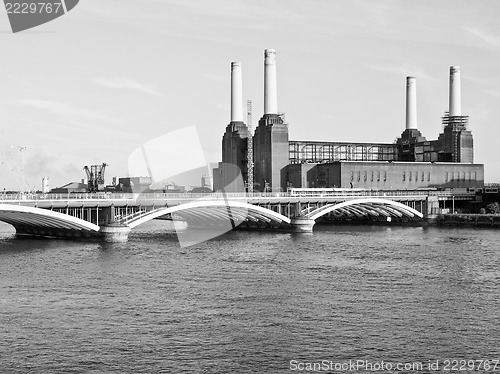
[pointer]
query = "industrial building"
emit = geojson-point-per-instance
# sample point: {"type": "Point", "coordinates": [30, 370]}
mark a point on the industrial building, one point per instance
{"type": "Point", "coordinates": [411, 162]}
{"type": "Point", "coordinates": [393, 175]}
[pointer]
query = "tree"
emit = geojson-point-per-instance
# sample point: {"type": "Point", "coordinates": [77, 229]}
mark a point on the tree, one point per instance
{"type": "Point", "coordinates": [493, 208]}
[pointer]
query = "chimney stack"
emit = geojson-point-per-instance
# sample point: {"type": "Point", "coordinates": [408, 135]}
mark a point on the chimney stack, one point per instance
{"type": "Point", "coordinates": [236, 93]}
{"type": "Point", "coordinates": [270, 86]}
{"type": "Point", "coordinates": [455, 94]}
{"type": "Point", "coordinates": [411, 103]}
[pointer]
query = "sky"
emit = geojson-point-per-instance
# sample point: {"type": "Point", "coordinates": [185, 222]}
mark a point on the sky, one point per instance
{"type": "Point", "coordinates": [111, 75]}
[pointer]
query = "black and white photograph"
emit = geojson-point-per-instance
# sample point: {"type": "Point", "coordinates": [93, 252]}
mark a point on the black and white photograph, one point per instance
{"type": "Point", "coordinates": [249, 186]}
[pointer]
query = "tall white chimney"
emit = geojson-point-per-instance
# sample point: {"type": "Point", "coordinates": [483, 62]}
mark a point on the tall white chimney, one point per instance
{"type": "Point", "coordinates": [236, 93]}
{"type": "Point", "coordinates": [411, 103]}
{"type": "Point", "coordinates": [455, 94]}
{"type": "Point", "coordinates": [270, 86]}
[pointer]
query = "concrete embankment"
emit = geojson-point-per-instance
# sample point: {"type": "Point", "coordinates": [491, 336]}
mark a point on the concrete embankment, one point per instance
{"type": "Point", "coordinates": [483, 220]}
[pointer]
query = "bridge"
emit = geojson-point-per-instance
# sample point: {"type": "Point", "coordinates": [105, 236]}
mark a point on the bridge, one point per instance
{"type": "Point", "coordinates": [111, 216]}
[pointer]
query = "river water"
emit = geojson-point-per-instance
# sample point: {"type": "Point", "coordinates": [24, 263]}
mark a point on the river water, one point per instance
{"type": "Point", "coordinates": [250, 302]}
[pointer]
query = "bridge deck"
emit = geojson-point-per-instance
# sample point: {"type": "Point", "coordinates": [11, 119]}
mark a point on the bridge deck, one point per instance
{"type": "Point", "coordinates": [103, 200]}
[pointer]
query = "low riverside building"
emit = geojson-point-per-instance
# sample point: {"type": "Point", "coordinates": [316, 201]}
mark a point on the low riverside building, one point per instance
{"type": "Point", "coordinates": [383, 175]}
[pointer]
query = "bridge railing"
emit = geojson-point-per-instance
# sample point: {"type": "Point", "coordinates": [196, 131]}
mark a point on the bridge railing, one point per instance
{"type": "Point", "coordinates": [220, 195]}
{"type": "Point", "coordinates": [19, 197]}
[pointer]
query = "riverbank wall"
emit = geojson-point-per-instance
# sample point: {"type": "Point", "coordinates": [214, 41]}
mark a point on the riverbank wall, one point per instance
{"type": "Point", "coordinates": [480, 220]}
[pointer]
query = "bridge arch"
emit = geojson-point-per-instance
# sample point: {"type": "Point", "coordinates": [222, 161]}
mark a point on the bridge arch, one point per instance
{"type": "Point", "coordinates": [217, 210]}
{"type": "Point", "coordinates": [24, 217]}
{"type": "Point", "coordinates": [369, 206]}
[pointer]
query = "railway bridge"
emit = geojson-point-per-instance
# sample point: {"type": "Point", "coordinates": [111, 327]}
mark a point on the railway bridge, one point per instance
{"type": "Point", "coordinates": [111, 216]}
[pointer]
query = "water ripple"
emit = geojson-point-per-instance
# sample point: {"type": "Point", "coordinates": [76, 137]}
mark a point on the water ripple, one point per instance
{"type": "Point", "coordinates": [248, 302]}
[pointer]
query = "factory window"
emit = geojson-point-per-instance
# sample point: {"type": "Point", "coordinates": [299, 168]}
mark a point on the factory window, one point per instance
{"type": "Point", "coordinates": [423, 176]}
{"type": "Point", "coordinates": [429, 176]}
{"type": "Point", "coordinates": [463, 176]}
{"type": "Point", "coordinates": [446, 177]}
{"type": "Point", "coordinates": [352, 176]}
{"type": "Point", "coordinates": [404, 176]}
{"type": "Point", "coordinates": [365, 176]}
{"type": "Point", "coordinates": [378, 176]}
{"type": "Point", "coordinates": [372, 176]}
{"type": "Point", "coordinates": [359, 176]}
{"type": "Point", "coordinates": [470, 176]}
{"type": "Point", "coordinates": [475, 176]}
{"type": "Point", "coordinates": [416, 176]}
{"type": "Point", "coordinates": [410, 176]}
{"type": "Point", "coordinates": [452, 175]}
{"type": "Point", "coordinates": [385, 176]}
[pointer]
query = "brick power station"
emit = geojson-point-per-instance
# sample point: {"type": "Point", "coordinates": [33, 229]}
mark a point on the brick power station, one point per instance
{"type": "Point", "coordinates": [412, 162]}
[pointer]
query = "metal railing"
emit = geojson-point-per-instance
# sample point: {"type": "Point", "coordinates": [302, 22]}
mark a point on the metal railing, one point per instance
{"type": "Point", "coordinates": [30, 197]}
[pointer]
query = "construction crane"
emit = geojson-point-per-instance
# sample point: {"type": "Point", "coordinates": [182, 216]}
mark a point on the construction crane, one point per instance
{"type": "Point", "coordinates": [95, 177]}
{"type": "Point", "coordinates": [250, 148]}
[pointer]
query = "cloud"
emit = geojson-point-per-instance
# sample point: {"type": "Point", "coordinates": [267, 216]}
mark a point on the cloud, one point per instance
{"type": "Point", "coordinates": [224, 107]}
{"type": "Point", "coordinates": [481, 112]}
{"type": "Point", "coordinates": [23, 82]}
{"type": "Point", "coordinates": [124, 83]}
{"type": "Point", "coordinates": [64, 109]}
{"type": "Point", "coordinates": [237, 8]}
{"type": "Point", "coordinates": [403, 71]}
{"type": "Point", "coordinates": [216, 77]}
{"type": "Point", "coordinates": [325, 116]}
{"type": "Point", "coordinates": [485, 36]}
{"type": "Point", "coordinates": [494, 93]}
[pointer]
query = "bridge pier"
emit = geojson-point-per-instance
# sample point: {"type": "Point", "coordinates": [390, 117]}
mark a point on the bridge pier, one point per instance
{"type": "Point", "coordinates": [115, 233]}
{"type": "Point", "coordinates": [432, 209]}
{"type": "Point", "coordinates": [302, 224]}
